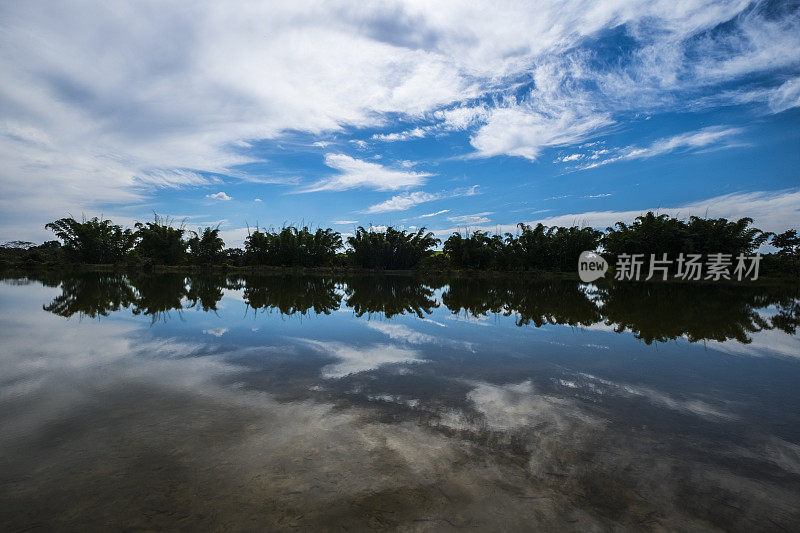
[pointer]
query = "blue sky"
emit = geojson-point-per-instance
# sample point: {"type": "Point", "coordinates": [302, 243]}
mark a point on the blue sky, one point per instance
{"type": "Point", "coordinates": [456, 116]}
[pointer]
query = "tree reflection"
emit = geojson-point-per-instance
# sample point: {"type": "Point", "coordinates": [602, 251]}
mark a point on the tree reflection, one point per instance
{"type": "Point", "coordinates": [652, 312]}
{"type": "Point", "coordinates": [656, 312]}
{"type": "Point", "coordinates": [92, 295]}
{"type": "Point", "coordinates": [205, 291]}
{"type": "Point", "coordinates": [788, 317]}
{"type": "Point", "coordinates": [390, 295]}
{"type": "Point", "coordinates": [292, 294]}
{"type": "Point", "coordinates": [158, 294]}
{"type": "Point", "coordinates": [534, 302]}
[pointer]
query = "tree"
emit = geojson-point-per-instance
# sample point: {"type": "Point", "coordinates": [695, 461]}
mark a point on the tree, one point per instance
{"type": "Point", "coordinates": [206, 247]}
{"type": "Point", "coordinates": [160, 242]}
{"type": "Point", "coordinates": [477, 250]}
{"type": "Point", "coordinates": [788, 245]}
{"type": "Point", "coordinates": [292, 247]}
{"type": "Point", "coordinates": [390, 249]}
{"type": "Point", "coordinates": [659, 234]}
{"type": "Point", "coordinates": [93, 241]}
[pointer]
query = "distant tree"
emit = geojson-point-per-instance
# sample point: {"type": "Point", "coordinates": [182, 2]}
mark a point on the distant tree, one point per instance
{"type": "Point", "coordinates": [788, 245]}
{"type": "Point", "coordinates": [659, 234]}
{"type": "Point", "coordinates": [206, 247]}
{"type": "Point", "coordinates": [234, 256]}
{"type": "Point", "coordinates": [540, 247]}
{"type": "Point", "coordinates": [477, 250]}
{"type": "Point", "coordinates": [93, 241]}
{"type": "Point", "coordinates": [390, 249]}
{"type": "Point", "coordinates": [19, 245]}
{"type": "Point", "coordinates": [292, 247]}
{"type": "Point", "coordinates": [649, 234]}
{"type": "Point", "coordinates": [715, 235]}
{"type": "Point", "coordinates": [160, 242]}
{"type": "Point", "coordinates": [258, 248]}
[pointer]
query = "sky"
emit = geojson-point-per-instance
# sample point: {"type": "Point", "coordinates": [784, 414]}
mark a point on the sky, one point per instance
{"type": "Point", "coordinates": [449, 115]}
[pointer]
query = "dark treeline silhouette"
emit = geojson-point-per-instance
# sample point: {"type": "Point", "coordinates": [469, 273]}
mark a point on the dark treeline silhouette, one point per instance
{"type": "Point", "coordinates": [391, 249]}
{"type": "Point", "coordinates": [292, 247]}
{"type": "Point", "coordinates": [555, 248]}
{"type": "Point", "coordinates": [651, 312]}
{"type": "Point", "coordinates": [659, 234]}
{"type": "Point", "coordinates": [162, 242]}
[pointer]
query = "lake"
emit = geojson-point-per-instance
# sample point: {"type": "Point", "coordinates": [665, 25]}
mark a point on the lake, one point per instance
{"type": "Point", "coordinates": [285, 402]}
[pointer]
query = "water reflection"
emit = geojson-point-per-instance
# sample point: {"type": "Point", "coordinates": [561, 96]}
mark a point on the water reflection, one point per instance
{"type": "Point", "coordinates": [652, 312]}
{"type": "Point", "coordinates": [389, 295]}
{"type": "Point", "coordinates": [291, 294]}
{"type": "Point", "coordinates": [537, 303]}
{"type": "Point", "coordinates": [182, 409]}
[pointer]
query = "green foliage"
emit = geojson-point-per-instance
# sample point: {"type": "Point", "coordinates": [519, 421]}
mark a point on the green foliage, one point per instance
{"type": "Point", "coordinates": [477, 250]}
{"type": "Point", "coordinates": [787, 243]}
{"type": "Point", "coordinates": [292, 294]}
{"type": "Point", "coordinates": [390, 295]}
{"type": "Point", "coordinates": [160, 242]}
{"type": "Point", "coordinates": [292, 247]}
{"type": "Point", "coordinates": [206, 247]}
{"type": "Point", "coordinates": [391, 249]}
{"type": "Point", "coordinates": [537, 247]}
{"type": "Point", "coordinates": [93, 241]}
{"type": "Point", "coordinates": [234, 257]}
{"type": "Point", "coordinates": [49, 252]}
{"type": "Point", "coordinates": [534, 248]}
{"type": "Point", "coordinates": [658, 234]}
{"type": "Point", "coordinates": [651, 312]}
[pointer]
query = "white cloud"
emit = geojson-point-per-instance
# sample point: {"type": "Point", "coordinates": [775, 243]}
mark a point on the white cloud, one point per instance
{"type": "Point", "coordinates": [345, 221]}
{"type": "Point", "coordinates": [462, 117]}
{"type": "Point", "coordinates": [435, 213]}
{"type": "Point", "coordinates": [257, 200]}
{"type": "Point", "coordinates": [405, 201]}
{"type": "Point", "coordinates": [771, 211]}
{"type": "Point", "coordinates": [400, 332]}
{"type": "Point", "coordinates": [415, 133]}
{"type": "Point", "coordinates": [568, 158]}
{"type": "Point", "coordinates": [522, 131]}
{"type": "Point", "coordinates": [786, 96]}
{"type": "Point", "coordinates": [355, 173]}
{"type": "Point", "coordinates": [717, 136]}
{"type": "Point", "coordinates": [353, 360]}
{"type": "Point", "coordinates": [104, 103]}
{"type": "Point", "coordinates": [219, 196]}
{"type": "Point", "coordinates": [217, 332]}
{"type": "Point", "coordinates": [470, 220]}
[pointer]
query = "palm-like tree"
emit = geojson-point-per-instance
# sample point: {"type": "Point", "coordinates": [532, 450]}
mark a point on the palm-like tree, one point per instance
{"type": "Point", "coordinates": [93, 241]}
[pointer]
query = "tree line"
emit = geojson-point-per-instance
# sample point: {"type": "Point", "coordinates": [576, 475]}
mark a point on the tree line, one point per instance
{"type": "Point", "coordinates": [163, 242]}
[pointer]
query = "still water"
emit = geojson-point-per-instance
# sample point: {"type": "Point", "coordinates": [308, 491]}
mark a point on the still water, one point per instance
{"type": "Point", "coordinates": [349, 403]}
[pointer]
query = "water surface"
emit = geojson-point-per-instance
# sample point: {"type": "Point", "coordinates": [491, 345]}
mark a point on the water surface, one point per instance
{"type": "Point", "coordinates": [311, 402]}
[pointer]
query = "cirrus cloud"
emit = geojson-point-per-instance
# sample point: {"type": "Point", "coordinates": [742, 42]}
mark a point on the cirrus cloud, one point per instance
{"type": "Point", "coordinates": [354, 173]}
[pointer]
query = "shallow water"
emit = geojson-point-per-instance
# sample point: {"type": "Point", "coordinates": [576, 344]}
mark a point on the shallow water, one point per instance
{"type": "Point", "coordinates": [285, 402]}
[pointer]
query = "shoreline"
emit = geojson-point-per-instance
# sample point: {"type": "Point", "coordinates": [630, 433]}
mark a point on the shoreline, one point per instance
{"type": "Point", "coordinates": [74, 268]}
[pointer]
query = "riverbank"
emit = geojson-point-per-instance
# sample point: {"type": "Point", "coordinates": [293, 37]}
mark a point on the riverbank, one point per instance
{"type": "Point", "coordinates": [22, 270]}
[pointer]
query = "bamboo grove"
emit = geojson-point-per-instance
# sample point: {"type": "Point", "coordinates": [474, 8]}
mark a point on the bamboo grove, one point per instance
{"type": "Point", "coordinates": [163, 242]}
